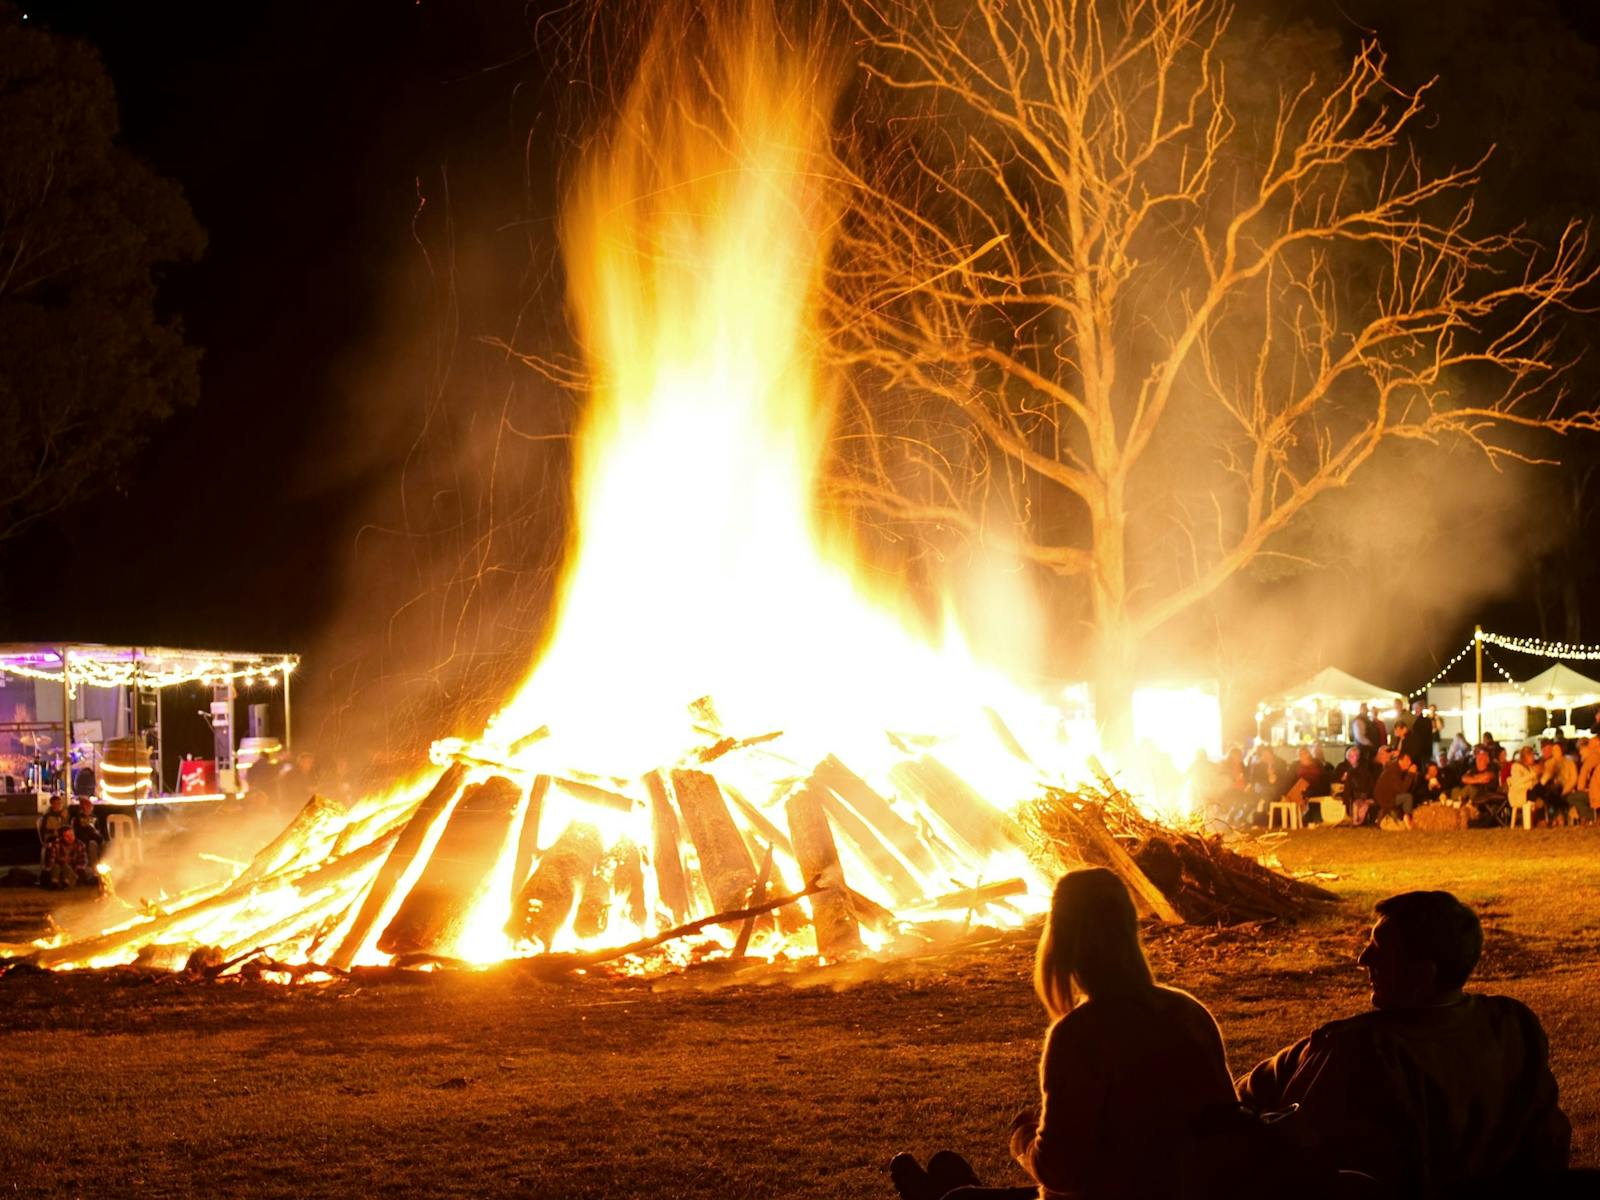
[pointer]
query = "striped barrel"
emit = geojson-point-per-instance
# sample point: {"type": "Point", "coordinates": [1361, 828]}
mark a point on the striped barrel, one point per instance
{"type": "Point", "coordinates": [124, 771]}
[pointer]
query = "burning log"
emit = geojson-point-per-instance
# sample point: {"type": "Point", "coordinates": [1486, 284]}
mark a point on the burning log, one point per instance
{"type": "Point", "coordinates": [814, 849]}
{"type": "Point", "coordinates": [528, 840]}
{"type": "Point", "coordinates": [976, 897]}
{"type": "Point", "coordinates": [616, 873]}
{"type": "Point", "coordinates": [725, 861]}
{"type": "Point", "coordinates": [432, 914]}
{"type": "Point", "coordinates": [875, 811]}
{"type": "Point", "coordinates": [671, 882]}
{"type": "Point", "coordinates": [559, 964]}
{"type": "Point", "coordinates": [284, 848]}
{"type": "Point", "coordinates": [546, 900]}
{"type": "Point", "coordinates": [773, 835]}
{"type": "Point", "coordinates": [968, 815]}
{"type": "Point", "coordinates": [396, 865]}
{"type": "Point", "coordinates": [337, 869]}
{"type": "Point", "coordinates": [902, 884]}
{"type": "Point", "coordinates": [591, 793]}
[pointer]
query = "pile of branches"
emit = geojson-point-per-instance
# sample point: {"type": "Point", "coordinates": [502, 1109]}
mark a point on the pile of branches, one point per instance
{"type": "Point", "coordinates": [1199, 879]}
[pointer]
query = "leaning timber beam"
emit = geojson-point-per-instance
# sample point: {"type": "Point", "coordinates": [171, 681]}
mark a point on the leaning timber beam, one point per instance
{"type": "Point", "coordinates": [818, 856]}
{"type": "Point", "coordinates": [672, 883]}
{"type": "Point", "coordinates": [435, 910]}
{"type": "Point", "coordinates": [972, 818]}
{"type": "Point", "coordinates": [397, 864]}
{"type": "Point", "coordinates": [725, 862]}
{"type": "Point", "coordinates": [528, 839]}
{"type": "Point", "coordinates": [1147, 897]}
{"type": "Point", "coordinates": [282, 850]}
{"type": "Point", "coordinates": [891, 872]}
{"type": "Point", "coordinates": [876, 812]}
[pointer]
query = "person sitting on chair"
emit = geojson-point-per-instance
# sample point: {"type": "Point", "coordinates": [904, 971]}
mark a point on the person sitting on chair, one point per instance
{"type": "Point", "coordinates": [86, 828]}
{"type": "Point", "coordinates": [1436, 1092]}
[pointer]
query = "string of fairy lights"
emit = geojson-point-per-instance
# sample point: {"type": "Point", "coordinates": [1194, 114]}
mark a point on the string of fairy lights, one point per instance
{"type": "Point", "coordinates": [100, 673]}
{"type": "Point", "coordinates": [1533, 646]}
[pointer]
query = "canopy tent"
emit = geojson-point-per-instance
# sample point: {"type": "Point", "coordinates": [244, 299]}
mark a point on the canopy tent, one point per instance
{"type": "Point", "coordinates": [1560, 687]}
{"type": "Point", "coordinates": [1333, 688]}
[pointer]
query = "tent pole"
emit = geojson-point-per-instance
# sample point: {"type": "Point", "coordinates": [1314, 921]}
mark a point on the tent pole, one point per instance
{"type": "Point", "coordinates": [1477, 654]}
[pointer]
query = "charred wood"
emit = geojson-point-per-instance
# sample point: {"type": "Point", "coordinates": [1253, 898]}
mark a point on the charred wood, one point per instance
{"type": "Point", "coordinates": [818, 856]}
{"type": "Point", "coordinates": [672, 883]}
{"type": "Point", "coordinates": [546, 900]}
{"type": "Point", "coordinates": [725, 862]}
{"type": "Point", "coordinates": [434, 912]}
{"type": "Point", "coordinates": [398, 863]}
{"type": "Point", "coordinates": [875, 811]}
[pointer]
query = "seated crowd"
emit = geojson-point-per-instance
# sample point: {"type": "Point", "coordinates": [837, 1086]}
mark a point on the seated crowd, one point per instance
{"type": "Point", "coordinates": [70, 843]}
{"type": "Point", "coordinates": [1390, 770]}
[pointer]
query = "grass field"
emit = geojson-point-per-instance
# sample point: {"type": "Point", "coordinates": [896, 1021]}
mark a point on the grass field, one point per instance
{"type": "Point", "coordinates": [496, 1084]}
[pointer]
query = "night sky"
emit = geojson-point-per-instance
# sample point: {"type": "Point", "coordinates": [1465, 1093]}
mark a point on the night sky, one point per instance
{"type": "Point", "coordinates": [306, 134]}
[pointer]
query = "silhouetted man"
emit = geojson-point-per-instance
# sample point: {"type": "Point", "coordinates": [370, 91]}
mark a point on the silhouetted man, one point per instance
{"type": "Point", "coordinates": [1434, 1093]}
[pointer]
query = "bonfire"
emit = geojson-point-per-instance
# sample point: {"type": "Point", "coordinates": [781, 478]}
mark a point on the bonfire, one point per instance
{"type": "Point", "coordinates": [740, 738]}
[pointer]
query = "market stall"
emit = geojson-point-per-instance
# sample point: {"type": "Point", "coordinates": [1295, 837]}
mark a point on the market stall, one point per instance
{"type": "Point", "coordinates": [1320, 708]}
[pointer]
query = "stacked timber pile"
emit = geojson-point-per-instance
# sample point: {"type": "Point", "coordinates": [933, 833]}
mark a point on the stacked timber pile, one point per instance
{"type": "Point", "coordinates": [1196, 877]}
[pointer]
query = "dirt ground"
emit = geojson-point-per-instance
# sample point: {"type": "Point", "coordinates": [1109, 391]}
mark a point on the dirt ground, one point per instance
{"type": "Point", "coordinates": [497, 1084]}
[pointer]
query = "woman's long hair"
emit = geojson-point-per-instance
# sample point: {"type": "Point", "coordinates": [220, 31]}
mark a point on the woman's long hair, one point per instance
{"type": "Point", "coordinates": [1090, 944]}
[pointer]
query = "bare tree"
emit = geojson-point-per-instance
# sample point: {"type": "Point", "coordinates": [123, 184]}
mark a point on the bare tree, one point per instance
{"type": "Point", "coordinates": [1113, 321]}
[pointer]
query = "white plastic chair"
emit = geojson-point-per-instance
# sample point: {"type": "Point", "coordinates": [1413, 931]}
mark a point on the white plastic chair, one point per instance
{"type": "Point", "coordinates": [123, 844]}
{"type": "Point", "coordinates": [1285, 810]}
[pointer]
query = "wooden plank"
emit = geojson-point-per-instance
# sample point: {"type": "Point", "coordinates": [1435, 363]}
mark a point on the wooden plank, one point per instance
{"type": "Point", "coordinates": [433, 914]}
{"type": "Point", "coordinates": [725, 863]}
{"type": "Point", "coordinates": [832, 915]}
{"type": "Point", "coordinates": [967, 814]}
{"type": "Point", "coordinates": [876, 812]}
{"type": "Point", "coordinates": [395, 866]}
{"type": "Point", "coordinates": [891, 872]}
{"type": "Point", "coordinates": [542, 907]}
{"type": "Point", "coordinates": [672, 884]}
{"type": "Point", "coordinates": [528, 837]}
{"type": "Point", "coordinates": [1147, 897]}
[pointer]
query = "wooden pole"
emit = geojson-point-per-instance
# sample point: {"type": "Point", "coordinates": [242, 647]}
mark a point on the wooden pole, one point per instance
{"type": "Point", "coordinates": [1477, 655]}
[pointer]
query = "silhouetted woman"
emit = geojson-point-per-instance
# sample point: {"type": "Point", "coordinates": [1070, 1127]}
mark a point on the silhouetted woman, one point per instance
{"type": "Point", "coordinates": [1132, 1071]}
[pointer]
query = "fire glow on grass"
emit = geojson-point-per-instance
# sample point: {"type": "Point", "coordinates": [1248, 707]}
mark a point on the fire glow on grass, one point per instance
{"type": "Point", "coordinates": [695, 240]}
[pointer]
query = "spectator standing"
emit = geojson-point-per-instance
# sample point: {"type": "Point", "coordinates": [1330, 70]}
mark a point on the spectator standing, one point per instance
{"type": "Point", "coordinates": [1361, 733]}
{"type": "Point", "coordinates": [1419, 738]}
{"type": "Point", "coordinates": [1399, 715]}
{"type": "Point", "coordinates": [1460, 751]}
{"type": "Point", "coordinates": [1380, 733]}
